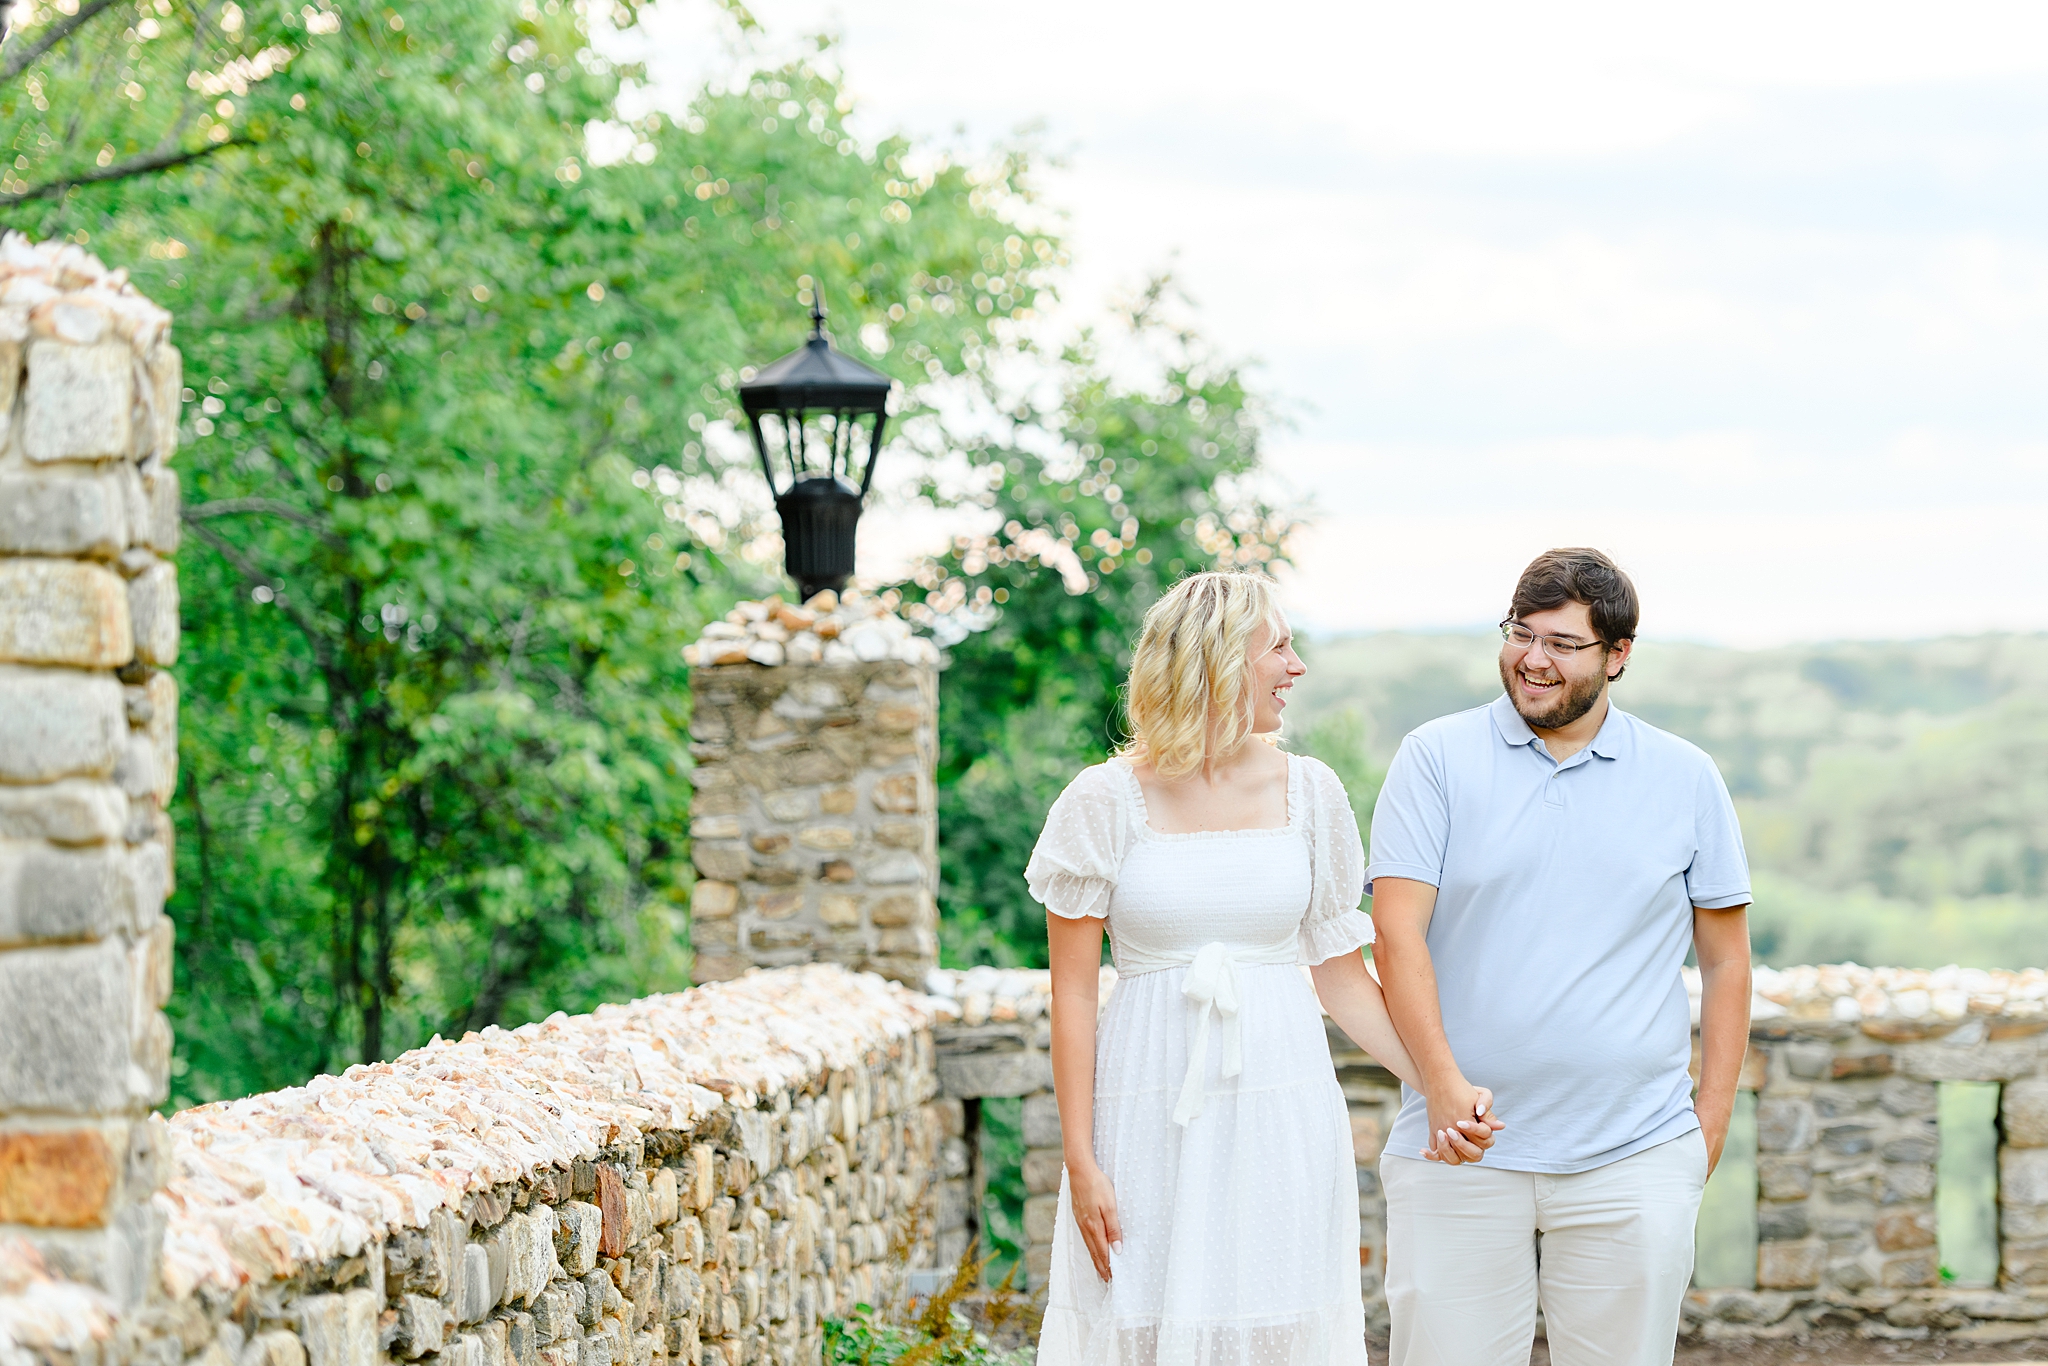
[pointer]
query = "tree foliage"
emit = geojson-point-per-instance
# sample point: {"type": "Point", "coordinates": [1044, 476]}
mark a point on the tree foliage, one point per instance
{"type": "Point", "coordinates": [460, 477]}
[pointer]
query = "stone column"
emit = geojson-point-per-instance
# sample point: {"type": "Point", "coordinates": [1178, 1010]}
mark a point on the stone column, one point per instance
{"type": "Point", "coordinates": [813, 827]}
{"type": "Point", "coordinates": [89, 402]}
{"type": "Point", "coordinates": [2023, 1186]}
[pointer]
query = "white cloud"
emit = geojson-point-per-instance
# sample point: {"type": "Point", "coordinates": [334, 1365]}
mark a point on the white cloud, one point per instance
{"type": "Point", "coordinates": [1753, 294]}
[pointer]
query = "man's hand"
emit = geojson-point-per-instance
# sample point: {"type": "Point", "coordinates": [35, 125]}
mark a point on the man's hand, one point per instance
{"type": "Point", "coordinates": [1714, 1129]}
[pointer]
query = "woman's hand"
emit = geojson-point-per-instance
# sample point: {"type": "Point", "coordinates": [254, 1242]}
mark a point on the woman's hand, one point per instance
{"type": "Point", "coordinates": [1467, 1139]}
{"type": "Point", "coordinates": [1094, 1204]}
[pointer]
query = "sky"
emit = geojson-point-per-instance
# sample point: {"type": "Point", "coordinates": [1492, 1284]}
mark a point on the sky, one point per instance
{"type": "Point", "coordinates": [1753, 296]}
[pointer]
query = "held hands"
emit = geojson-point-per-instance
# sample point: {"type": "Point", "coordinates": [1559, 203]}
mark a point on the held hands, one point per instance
{"type": "Point", "coordinates": [1094, 1204]}
{"type": "Point", "coordinates": [1461, 1123]}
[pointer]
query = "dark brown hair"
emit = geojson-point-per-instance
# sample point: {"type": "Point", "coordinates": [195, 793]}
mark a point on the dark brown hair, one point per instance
{"type": "Point", "coordinates": [1579, 574]}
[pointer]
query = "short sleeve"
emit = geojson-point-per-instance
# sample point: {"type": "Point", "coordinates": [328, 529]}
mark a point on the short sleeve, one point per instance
{"type": "Point", "coordinates": [1334, 925]}
{"type": "Point", "coordinates": [1411, 821]}
{"type": "Point", "coordinates": [1719, 875]}
{"type": "Point", "coordinates": [1074, 866]}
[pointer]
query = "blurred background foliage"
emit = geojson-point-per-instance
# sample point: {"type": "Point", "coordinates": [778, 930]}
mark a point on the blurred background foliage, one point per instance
{"type": "Point", "coordinates": [460, 479]}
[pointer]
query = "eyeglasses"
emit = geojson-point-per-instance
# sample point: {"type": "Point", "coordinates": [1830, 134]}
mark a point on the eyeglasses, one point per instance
{"type": "Point", "coordinates": [1557, 647]}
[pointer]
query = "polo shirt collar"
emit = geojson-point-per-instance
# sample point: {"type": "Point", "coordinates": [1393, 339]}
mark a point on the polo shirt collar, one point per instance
{"type": "Point", "coordinates": [1612, 742]}
{"type": "Point", "coordinates": [1513, 729]}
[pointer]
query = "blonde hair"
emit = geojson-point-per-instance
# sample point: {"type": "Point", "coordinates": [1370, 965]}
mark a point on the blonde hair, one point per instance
{"type": "Point", "coordinates": [1189, 696]}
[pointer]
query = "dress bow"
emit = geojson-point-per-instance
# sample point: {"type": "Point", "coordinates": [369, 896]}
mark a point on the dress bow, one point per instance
{"type": "Point", "coordinates": [1211, 987]}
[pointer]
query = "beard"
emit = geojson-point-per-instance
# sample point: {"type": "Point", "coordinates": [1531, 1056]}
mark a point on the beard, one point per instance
{"type": "Point", "coordinates": [1574, 700]}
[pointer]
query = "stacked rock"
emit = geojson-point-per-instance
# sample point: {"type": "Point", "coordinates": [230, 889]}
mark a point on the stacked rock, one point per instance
{"type": "Point", "coordinates": [830, 628]}
{"type": "Point", "coordinates": [89, 403]}
{"type": "Point", "coordinates": [698, 1179]}
{"type": "Point", "coordinates": [1851, 992]}
{"type": "Point", "coordinates": [813, 824]}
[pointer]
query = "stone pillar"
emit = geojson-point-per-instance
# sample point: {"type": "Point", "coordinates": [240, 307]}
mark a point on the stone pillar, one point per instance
{"type": "Point", "coordinates": [2023, 1185]}
{"type": "Point", "coordinates": [89, 401]}
{"type": "Point", "coordinates": [813, 828]}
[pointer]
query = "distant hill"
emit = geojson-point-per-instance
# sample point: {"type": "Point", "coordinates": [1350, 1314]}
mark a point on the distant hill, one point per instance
{"type": "Point", "coordinates": [1894, 795]}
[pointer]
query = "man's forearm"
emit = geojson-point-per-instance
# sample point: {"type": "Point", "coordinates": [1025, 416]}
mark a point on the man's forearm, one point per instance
{"type": "Point", "coordinates": [1408, 979]}
{"type": "Point", "coordinates": [1724, 1034]}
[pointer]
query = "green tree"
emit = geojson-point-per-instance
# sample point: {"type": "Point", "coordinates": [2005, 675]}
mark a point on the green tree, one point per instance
{"type": "Point", "coordinates": [461, 475]}
{"type": "Point", "coordinates": [94, 92]}
{"type": "Point", "coordinates": [461, 401]}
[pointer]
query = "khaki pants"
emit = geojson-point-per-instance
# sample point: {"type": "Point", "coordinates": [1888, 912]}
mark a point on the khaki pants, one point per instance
{"type": "Point", "coordinates": [1609, 1252]}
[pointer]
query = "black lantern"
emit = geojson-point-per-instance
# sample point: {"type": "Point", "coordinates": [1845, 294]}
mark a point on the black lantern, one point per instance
{"type": "Point", "coordinates": [818, 396]}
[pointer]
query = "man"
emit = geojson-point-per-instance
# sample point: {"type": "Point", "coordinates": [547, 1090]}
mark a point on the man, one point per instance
{"type": "Point", "coordinates": [1539, 868]}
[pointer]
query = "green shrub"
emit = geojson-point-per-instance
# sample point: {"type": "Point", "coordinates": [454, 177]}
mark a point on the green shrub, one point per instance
{"type": "Point", "coordinates": [936, 1332]}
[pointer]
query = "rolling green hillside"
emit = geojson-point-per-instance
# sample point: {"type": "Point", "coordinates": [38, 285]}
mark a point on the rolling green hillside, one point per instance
{"type": "Point", "coordinates": [1894, 796]}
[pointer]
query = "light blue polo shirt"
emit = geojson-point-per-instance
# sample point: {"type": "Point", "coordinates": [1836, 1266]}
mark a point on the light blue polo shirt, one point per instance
{"type": "Point", "coordinates": [1563, 914]}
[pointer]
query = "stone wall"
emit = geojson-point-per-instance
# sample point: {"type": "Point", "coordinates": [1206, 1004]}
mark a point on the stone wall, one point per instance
{"type": "Point", "coordinates": [813, 824]}
{"type": "Point", "coordinates": [89, 404]}
{"type": "Point", "coordinates": [1846, 1065]}
{"type": "Point", "coordinates": [994, 1042]}
{"type": "Point", "coordinates": [1843, 1067]}
{"type": "Point", "coordinates": [698, 1178]}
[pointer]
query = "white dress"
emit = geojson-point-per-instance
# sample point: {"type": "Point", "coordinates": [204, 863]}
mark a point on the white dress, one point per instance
{"type": "Point", "coordinates": [1235, 1183]}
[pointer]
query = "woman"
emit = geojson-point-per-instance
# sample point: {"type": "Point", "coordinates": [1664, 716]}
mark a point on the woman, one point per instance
{"type": "Point", "coordinates": [1209, 1211]}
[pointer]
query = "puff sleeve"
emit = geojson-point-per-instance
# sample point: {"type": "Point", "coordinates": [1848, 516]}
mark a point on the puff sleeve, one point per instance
{"type": "Point", "coordinates": [1074, 866]}
{"type": "Point", "coordinates": [1334, 924]}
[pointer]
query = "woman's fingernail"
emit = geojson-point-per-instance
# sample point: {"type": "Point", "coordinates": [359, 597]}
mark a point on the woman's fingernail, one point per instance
{"type": "Point", "coordinates": [1117, 1248]}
